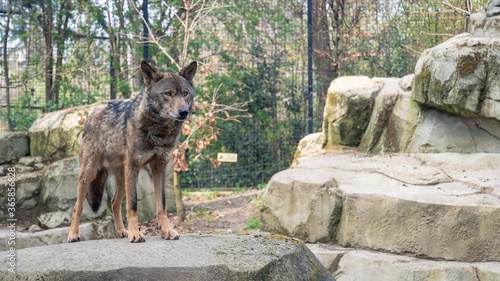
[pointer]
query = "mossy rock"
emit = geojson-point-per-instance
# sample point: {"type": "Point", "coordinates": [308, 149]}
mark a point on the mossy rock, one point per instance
{"type": "Point", "coordinates": [348, 109]}
{"type": "Point", "coordinates": [460, 76]}
{"type": "Point", "coordinates": [57, 135]}
{"type": "Point", "coordinates": [13, 145]}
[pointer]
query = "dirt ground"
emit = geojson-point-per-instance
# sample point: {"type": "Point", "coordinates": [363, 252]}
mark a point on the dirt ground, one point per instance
{"type": "Point", "coordinates": [209, 211]}
{"type": "Point", "coordinates": [216, 211]}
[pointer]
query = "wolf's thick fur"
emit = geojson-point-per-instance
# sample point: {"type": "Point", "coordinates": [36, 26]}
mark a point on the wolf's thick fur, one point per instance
{"type": "Point", "coordinates": [128, 134]}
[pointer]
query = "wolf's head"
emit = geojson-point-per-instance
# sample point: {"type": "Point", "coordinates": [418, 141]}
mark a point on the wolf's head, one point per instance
{"type": "Point", "coordinates": [170, 95]}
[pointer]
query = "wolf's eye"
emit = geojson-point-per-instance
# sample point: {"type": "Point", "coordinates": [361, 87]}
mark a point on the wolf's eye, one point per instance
{"type": "Point", "coordinates": [185, 93]}
{"type": "Point", "coordinates": [169, 94]}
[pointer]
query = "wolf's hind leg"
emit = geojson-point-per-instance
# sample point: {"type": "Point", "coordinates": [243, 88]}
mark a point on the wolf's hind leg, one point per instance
{"type": "Point", "coordinates": [86, 174]}
{"type": "Point", "coordinates": [116, 202]}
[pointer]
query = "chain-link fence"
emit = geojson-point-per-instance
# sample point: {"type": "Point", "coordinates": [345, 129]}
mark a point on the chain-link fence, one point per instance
{"type": "Point", "coordinates": [264, 48]}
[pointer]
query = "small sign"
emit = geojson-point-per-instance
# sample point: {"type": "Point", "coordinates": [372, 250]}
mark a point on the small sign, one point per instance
{"type": "Point", "coordinates": [227, 157]}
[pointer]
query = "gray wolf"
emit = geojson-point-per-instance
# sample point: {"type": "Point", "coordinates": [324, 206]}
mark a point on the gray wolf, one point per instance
{"type": "Point", "coordinates": [126, 135]}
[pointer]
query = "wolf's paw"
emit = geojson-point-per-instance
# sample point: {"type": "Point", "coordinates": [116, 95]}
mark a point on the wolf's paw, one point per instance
{"type": "Point", "coordinates": [73, 237]}
{"type": "Point", "coordinates": [136, 237]}
{"type": "Point", "coordinates": [121, 233]}
{"type": "Point", "coordinates": [170, 234]}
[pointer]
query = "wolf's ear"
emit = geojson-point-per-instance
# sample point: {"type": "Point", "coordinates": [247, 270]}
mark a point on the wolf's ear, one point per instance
{"type": "Point", "coordinates": [150, 73]}
{"type": "Point", "coordinates": [189, 71]}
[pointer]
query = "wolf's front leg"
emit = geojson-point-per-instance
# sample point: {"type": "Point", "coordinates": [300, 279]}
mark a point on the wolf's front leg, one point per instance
{"type": "Point", "coordinates": [131, 174]}
{"type": "Point", "coordinates": [159, 170]}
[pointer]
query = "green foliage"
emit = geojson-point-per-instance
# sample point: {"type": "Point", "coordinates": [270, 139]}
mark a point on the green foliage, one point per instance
{"type": "Point", "coordinates": [22, 115]}
{"type": "Point", "coordinates": [202, 212]}
{"type": "Point", "coordinates": [253, 223]}
{"type": "Point", "coordinates": [266, 140]}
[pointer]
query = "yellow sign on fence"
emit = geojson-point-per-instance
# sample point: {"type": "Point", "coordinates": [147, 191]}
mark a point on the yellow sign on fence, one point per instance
{"type": "Point", "coordinates": [227, 157]}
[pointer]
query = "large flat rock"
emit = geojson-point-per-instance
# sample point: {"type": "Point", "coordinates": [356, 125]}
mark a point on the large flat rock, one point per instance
{"type": "Point", "coordinates": [439, 206]}
{"type": "Point", "coordinates": [354, 264]}
{"type": "Point", "coordinates": [193, 257]}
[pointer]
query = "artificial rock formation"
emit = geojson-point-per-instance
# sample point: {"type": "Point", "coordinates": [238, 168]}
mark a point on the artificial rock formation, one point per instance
{"type": "Point", "coordinates": [404, 166]}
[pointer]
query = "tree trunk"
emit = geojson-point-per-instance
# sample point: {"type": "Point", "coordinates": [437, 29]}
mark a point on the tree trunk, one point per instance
{"type": "Point", "coordinates": [179, 205]}
{"type": "Point", "coordinates": [6, 67]}
{"type": "Point", "coordinates": [48, 30]}
{"type": "Point", "coordinates": [325, 70]}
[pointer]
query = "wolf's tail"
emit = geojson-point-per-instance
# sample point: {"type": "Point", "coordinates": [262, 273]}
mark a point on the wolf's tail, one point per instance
{"type": "Point", "coordinates": [96, 189]}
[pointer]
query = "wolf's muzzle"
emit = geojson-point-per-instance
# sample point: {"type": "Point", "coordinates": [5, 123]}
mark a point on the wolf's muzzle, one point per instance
{"type": "Point", "coordinates": [183, 113]}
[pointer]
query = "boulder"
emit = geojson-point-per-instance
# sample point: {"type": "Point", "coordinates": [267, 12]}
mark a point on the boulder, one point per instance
{"type": "Point", "coordinates": [399, 124]}
{"type": "Point", "coordinates": [484, 25]}
{"type": "Point", "coordinates": [385, 100]}
{"type": "Point", "coordinates": [13, 145]}
{"type": "Point", "coordinates": [54, 219]}
{"type": "Point", "coordinates": [302, 203]}
{"type": "Point", "coordinates": [397, 131]}
{"type": "Point", "coordinates": [56, 135]}
{"type": "Point", "coordinates": [309, 145]}
{"type": "Point", "coordinates": [30, 161]}
{"type": "Point", "coordinates": [88, 231]}
{"type": "Point", "coordinates": [440, 206]}
{"type": "Point", "coordinates": [59, 189]}
{"type": "Point", "coordinates": [26, 192]}
{"type": "Point", "coordinates": [348, 108]}
{"type": "Point", "coordinates": [193, 257]}
{"type": "Point", "coordinates": [460, 76]}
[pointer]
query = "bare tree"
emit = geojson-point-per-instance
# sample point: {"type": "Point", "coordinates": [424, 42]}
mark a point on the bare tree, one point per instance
{"type": "Point", "coordinates": [326, 67]}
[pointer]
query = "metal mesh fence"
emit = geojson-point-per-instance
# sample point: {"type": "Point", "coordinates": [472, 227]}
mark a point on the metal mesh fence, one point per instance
{"type": "Point", "coordinates": [86, 69]}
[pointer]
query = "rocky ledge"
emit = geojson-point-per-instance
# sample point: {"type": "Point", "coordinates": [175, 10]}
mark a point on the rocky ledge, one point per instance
{"type": "Point", "coordinates": [193, 257]}
{"type": "Point", "coordinates": [443, 206]}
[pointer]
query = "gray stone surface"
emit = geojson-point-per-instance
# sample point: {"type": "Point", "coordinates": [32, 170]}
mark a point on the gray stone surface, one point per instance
{"type": "Point", "coordinates": [13, 146]}
{"type": "Point", "coordinates": [59, 189]}
{"type": "Point", "coordinates": [484, 26]}
{"type": "Point", "coordinates": [399, 124]}
{"type": "Point", "coordinates": [54, 219]}
{"type": "Point", "coordinates": [88, 231]}
{"type": "Point", "coordinates": [441, 206]}
{"type": "Point", "coordinates": [27, 189]}
{"type": "Point", "coordinates": [438, 131]}
{"type": "Point", "coordinates": [304, 204]}
{"type": "Point", "coordinates": [56, 135]}
{"type": "Point", "coordinates": [385, 100]}
{"type": "Point", "coordinates": [348, 107]}
{"type": "Point", "coordinates": [309, 145]}
{"type": "Point", "coordinates": [30, 161]}
{"type": "Point", "coordinates": [193, 257]}
{"type": "Point", "coordinates": [460, 76]}
{"type": "Point", "coordinates": [354, 265]}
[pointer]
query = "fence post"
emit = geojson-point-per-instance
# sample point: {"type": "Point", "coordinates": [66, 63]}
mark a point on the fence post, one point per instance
{"type": "Point", "coordinates": [112, 77]}
{"type": "Point", "coordinates": [145, 30]}
{"type": "Point", "coordinates": [309, 68]}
